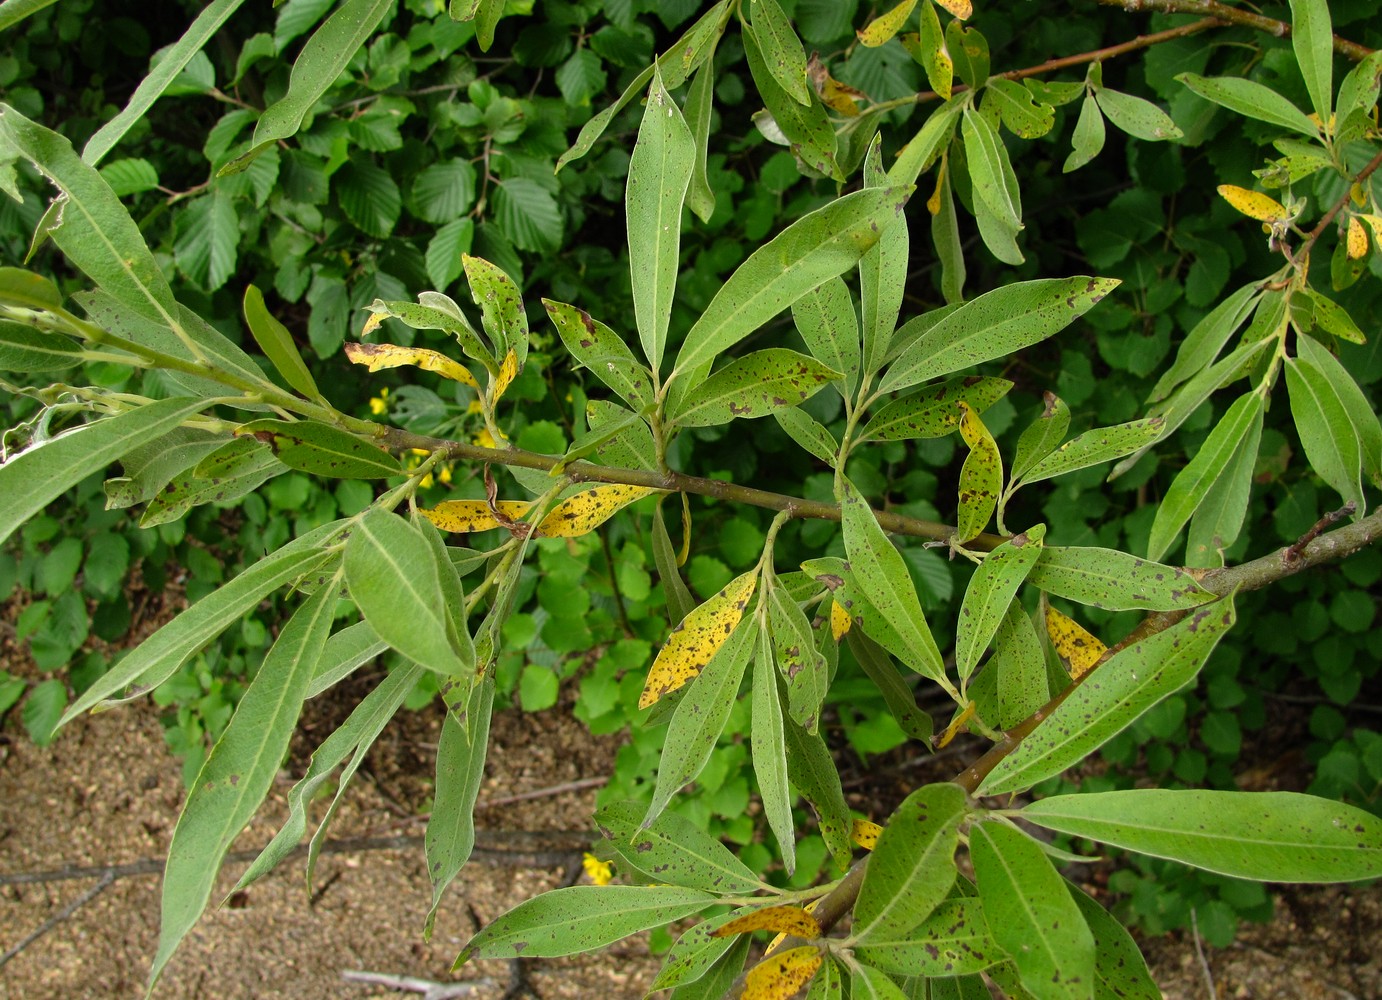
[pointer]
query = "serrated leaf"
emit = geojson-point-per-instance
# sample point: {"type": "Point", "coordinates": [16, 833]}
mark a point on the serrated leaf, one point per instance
{"type": "Point", "coordinates": [753, 386]}
{"type": "Point", "coordinates": [528, 214]}
{"type": "Point", "coordinates": [695, 641]}
{"type": "Point", "coordinates": [674, 850]}
{"type": "Point", "coordinates": [322, 449]}
{"type": "Point", "coordinates": [1112, 697]}
{"type": "Point", "coordinates": [912, 866]}
{"type": "Point", "coordinates": [1114, 580]}
{"type": "Point", "coordinates": [130, 176]}
{"type": "Point", "coordinates": [994, 325]}
{"type": "Point", "coordinates": [1266, 836]}
{"type": "Point", "coordinates": [782, 52]}
{"type": "Point", "coordinates": [448, 246]}
{"type": "Point", "coordinates": [443, 192]}
{"type": "Point", "coordinates": [1031, 914]}
{"type": "Point", "coordinates": [277, 344]}
{"type": "Point", "coordinates": [1326, 430]}
{"type": "Point", "coordinates": [780, 976]}
{"type": "Point", "coordinates": [581, 918]}
{"type": "Point", "coordinates": [1252, 100]}
{"type": "Point", "coordinates": [1077, 648]}
{"type": "Point", "coordinates": [1094, 447]}
{"type": "Point", "coordinates": [981, 476]}
{"type": "Point", "coordinates": [369, 197]}
{"type": "Point", "coordinates": [990, 591]}
{"type": "Point", "coordinates": [768, 746]}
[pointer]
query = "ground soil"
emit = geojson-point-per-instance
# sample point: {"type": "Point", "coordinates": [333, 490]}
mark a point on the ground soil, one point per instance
{"type": "Point", "coordinates": [107, 793]}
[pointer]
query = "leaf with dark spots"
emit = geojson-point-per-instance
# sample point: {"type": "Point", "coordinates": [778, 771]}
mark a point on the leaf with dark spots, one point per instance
{"type": "Point", "coordinates": [753, 386]}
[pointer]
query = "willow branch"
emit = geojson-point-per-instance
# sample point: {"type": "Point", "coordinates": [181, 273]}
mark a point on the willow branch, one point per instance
{"type": "Point", "coordinates": [1338, 207]}
{"type": "Point", "coordinates": [1235, 16]}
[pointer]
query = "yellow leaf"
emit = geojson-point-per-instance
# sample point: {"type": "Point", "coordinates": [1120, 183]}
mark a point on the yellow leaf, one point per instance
{"type": "Point", "coordinates": [782, 919]}
{"type": "Point", "coordinates": [933, 203]}
{"type": "Point", "coordinates": [1076, 647]}
{"type": "Point", "coordinates": [957, 725]}
{"type": "Point", "coordinates": [841, 96]}
{"type": "Point", "coordinates": [377, 356]}
{"type": "Point", "coordinates": [1253, 204]}
{"type": "Point", "coordinates": [780, 976]}
{"type": "Point", "coordinates": [776, 942]}
{"type": "Point", "coordinates": [865, 834]}
{"type": "Point", "coordinates": [685, 549]}
{"type": "Point", "coordinates": [1374, 222]}
{"type": "Point", "coordinates": [839, 620]}
{"type": "Point", "coordinates": [1357, 193]}
{"type": "Point", "coordinates": [1357, 239]}
{"type": "Point", "coordinates": [701, 633]}
{"type": "Point", "coordinates": [463, 516]}
{"type": "Point", "coordinates": [981, 476]}
{"type": "Point", "coordinates": [373, 323]}
{"type": "Point", "coordinates": [959, 8]}
{"type": "Point", "coordinates": [507, 372]}
{"type": "Point", "coordinates": [577, 515]}
{"type": "Point", "coordinates": [884, 26]}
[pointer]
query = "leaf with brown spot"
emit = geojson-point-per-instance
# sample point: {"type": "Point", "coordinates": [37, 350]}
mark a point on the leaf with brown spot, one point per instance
{"type": "Point", "coordinates": [501, 308]}
{"type": "Point", "coordinates": [865, 834]}
{"type": "Point", "coordinates": [981, 477]}
{"type": "Point", "coordinates": [584, 512]}
{"type": "Point", "coordinates": [989, 593]}
{"type": "Point", "coordinates": [753, 386]}
{"type": "Point", "coordinates": [508, 370]}
{"type": "Point", "coordinates": [1077, 648]}
{"type": "Point", "coordinates": [465, 516]}
{"type": "Point", "coordinates": [839, 620]}
{"type": "Point", "coordinates": [883, 27]}
{"type": "Point", "coordinates": [379, 356]}
{"type": "Point", "coordinates": [779, 919]}
{"type": "Point", "coordinates": [931, 412]}
{"type": "Point", "coordinates": [778, 977]}
{"type": "Point", "coordinates": [699, 636]}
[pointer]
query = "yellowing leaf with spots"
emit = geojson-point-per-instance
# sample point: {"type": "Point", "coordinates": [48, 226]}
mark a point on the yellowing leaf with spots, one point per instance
{"type": "Point", "coordinates": [507, 372]}
{"type": "Point", "coordinates": [698, 637]}
{"type": "Point", "coordinates": [839, 620]}
{"type": "Point", "coordinates": [981, 477]}
{"type": "Point", "coordinates": [884, 26]}
{"type": "Point", "coordinates": [1253, 204]}
{"type": "Point", "coordinates": [959, 8]}
{"type": "Point", "coordinates": [865, 834]}
{"type": "Point", "coordinates": [841, 97]}
{"type": "Point", "coordinates": [464, 516]}
{"type": "Point", "coordinates": [577, 515]}
{"type": "Point", "coordinates": [957, 726]}
{"type": "Point", "coordinates": [1357, 239]}
{"type": "Point", "coordinates": [377, 356]}
{"type": "Point", "coordinates": [1076, 647]}
{"type": "Point", "coordinates": [1374, 222]}
{"type": "Point", "coordinates": [780, 976]}
{"type": "Point", "coordinates": [782, 919]}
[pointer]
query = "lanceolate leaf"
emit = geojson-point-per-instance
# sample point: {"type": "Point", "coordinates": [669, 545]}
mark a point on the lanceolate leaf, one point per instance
{"type": "Point", "coordinates": [322, 449]}
{"type": "Point", "coordinates": [583, 512]}
{"type": "Point", "coordinates": [809, 252]}
{"type": "Point", "coordinates": [753, 386]}
{"type": "Point", "coordinates": [239, 772]}
{"type": "Point", "coordinates": [1094, 447]}
{"type": "Point", "coordinates": [501, 307]}
{"type": "Point", "coordinates": [802, 665]}
{"type": "Point", "coordinates": [376, 357]}
{"type": "Point", "coordinates": [392, 575]}
{"type": "Point", "coordinates": [700, 100]}
{"type": "Point", "coordinates": [1351, 398]}
{"type": "Point", "coordinates": [912, 867]}
{"type": "Point", "coordinates": [1020, 665]}
{"type": "Point", "coordinates": [954, 940]}
{"type": "Point", "coordinates": [882, 272]}
{"type": "Point", "coordinates": [1031, 914]}
{"type": "Point", "coordinates": [1077, 648]}
{"type": "Point", "coordinates": [981, 477]}
{"type": "Point", "coordinates": [808, 432]}
{"type": "Point", "coordinates": [659, 172]}
{"type": "Point", "coordinates": [34, 478]}
{"type": "Point", "coordinates": [785, 919]}
{"type": "Point", "coordinates": [24, 349]}
{"type": "Point", "coordinates": [932, 412]}
{"type": "Point", "coordinates": [990, 591]}
{"type": "Point", "coordinates": [1251, 99]}
{"type": "Point", "coordinates": [768, 745]}
{"type": "Point", "coordinates": [695, 952]}
{"type": "Point", "coordinates": [581, 918]}
{"type": "Point", "coordinates": [604, 352]}
{"type": "Point", "coordinates": [346, 650]}
{"type": "Point", "coordinates": [1043, 435]}
{"type": "Point", "coordinates": [813, 774]}
{"type": "Point", "coordinates": [782, 51]}
{"type": "Point", "coordinates": [1326, 431]}
{"type": "Point", "coordinates": [1208, 337]}
{"type": "Point", "coordinates": [318, 66]}
{"type": "Point", "coordinates": [1110, 698]}
{"type": "Point", "coordinates": [995, 325]}
{"type": "Point", "coordinates": [1115, 581]}
{"type": "Point", "coordinates": [1119, 968]}
{"type": "Point", "coordinates": [1216, 524]}
{"type": "Point", "coordinates": [433, 311]}
{"type": "Point", "coordinates": [277, 344]}
{"type": "Point", "coordinates": [674, 850]}
{"type": "Point", "coordinates": [806, 127]}
{"type": "Point", "coordinates": [695, 641]}
{"type": "Point", "coordinates": [1313, 41]}
{"type": "Point", "coordinates": [987, 159]}
{"type": "Point", "coordinates": [700, 717]}
{"type": "Point", "coordinates": [897, 694]}
{"type": "Point", "coordinates": [825, 319]}
{"type": "Point", "coordinates": [679, 600]}
{"type": "Point", "coordinates": [1268, 836]}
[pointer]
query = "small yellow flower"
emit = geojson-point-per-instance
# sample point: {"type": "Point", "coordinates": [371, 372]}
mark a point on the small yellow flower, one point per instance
{"type": "Point", "coordinates": [379, 405]}
{"type": "Point", "coordinates": [484, 440]}
{"type": "Point", "coordinates": [474, 407]}
{"type": "Point", "coordinates": [445, 475]}
{"type": "Point", "coordinates": [600, 872]}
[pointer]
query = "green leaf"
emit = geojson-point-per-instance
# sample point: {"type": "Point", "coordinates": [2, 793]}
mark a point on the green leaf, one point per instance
{"type": "Point", "coordinates": [1108, 699]}
{"type": "Point", "coordinates": [24, 349]}
{"type": "Point", "coordinates": [882, 272]}
{"type": "Point", "coordinates": [990, 592]}
{"type": "Point", "coordinates": [501, 308]}
{"type": "Point", "coordinates": [130, 176]}
{"type": "Point", "coordinates": [868, 983]}
{"type": "Point", "coordinates": [953, 941]}
{"type": "Point", "coordinates": [912, 867]}
{"type": "Point", "coordinates": [700, 718]}
{"type": "Point", "coordinates": [1326, 431]}
{"type": "Point", "coordinates": [1266, 836]}
{"type": "Point", "coordinates": [449, 244]}
{"type": "Point", "coordinates": [1135, 116]}
{"type": "Point", "coordinates": [1219, 518]}
{"type": "Point", "coordinates": [443, 192]}
{"type": "Point", "coordinates": [1087, 141]}
{"type": "Point", "coordinates": [581, 918]}
{"type": "Point", "coordinates": [277, 344]}
{"type": "Point", "coordinates": [696, 951]}
{"type": "Point", "coordinates": [782, 52]}
{"type": "Point", "coordinates": [897, 694]}
{"type": "Point", "coordinates": [14, 11]}
{"type": "Point", "coordinates": [322, 449]}
{"type": "Point", "coordinates": [352, 739]}
{"type": "Point", "coordinates": [717, 980]}
{"type": "Point", "coordinates": [37, 476]}
{"type": "Point", "coordinates": [580, 78]}
{"type": "Point", "coordinates": [883, 580]}
{"type": "Point", "coordinates": [239, 772]}
{"type": "Point", "coordinates": [1019, 667]}
{"type": "Point", "coordinates": [393, 577]}
{"type": "Point", "coordinates": [1252, 100]}
{"type": "Point", "coordinates": [945, 234]}
{"type": "Point", "coordinates": [991, 173]}
{"type": "Point", "coordinates": [604, 352]}
{"type": "Point", "coordinates": [994, 325]}
{"type": "Point", "coordinates": [674, 851]}
{"type": "Point", "coordinates": [805, 669]}
{"type": "Point", "coordinates": [806, 127]}
{"type": "Point", "coordinates": [700, 106]}
{"type": "Point", "coordinates": [1188, 489]}
{"type": "Point", "coordinates": [347, 650]}
{"type": "Point", "coordinates": [1096, 446]}
{"type": "Point", "coordinates": [1119, 969]}
{"type": "Point", "coordinates": [223, 476]}
{"type": "Point", "coordinates": [660, 169]}
{"type": "Point", "coordinates": [1042, 435]}
{"type": "Point", "coordinates": [970, 50]}
{"type": "Point", "coordinates": [369, 197]}
{"type": "Point", "coordinates": [1019, 111]}
{"type": "Point", "coordinates": [753, 386]}
{"type": "Point", "coordinates": [1358, 90]}
{"type": "Point", "coordinates": [826, 321]}
{"type": "Point", "coordinates": [680, 603]}
{"type": "Point", "coordinates": [1351, 398]}
{"type": "Point", "coordinates": [809, 252]}
{"type": "Point", "coordinates": [932, 138]}
{"type": "Point", "coordinates": [1114, 580]}
{"type": "Point", "coordinates": [450, 835]}
{"type": "Point", "coordinates": [808, 432]}
{"type": "Point", "coordinates": [1031, 914]}
{"type": "Point", "coordinates": [320, 63]}
{"type": "Point", "coordinates": [171, 61]}
{"type": "Point", "coordinates": [1208, 337]}
{"type": "Point", "coordinates": [931, 412]}
{"type": "Point", "coordinates": [528, 215]}
{"type": "Point", "coordinates": [42, 710]}
{"type": "Point", "coordinates": [769, 748]}
{"type": "Point", "coordinates": [1313, 40]}
{"type": "Point", "coordinates": [813, 774]}
{"type": "Point", "coordinates": [931, 52]}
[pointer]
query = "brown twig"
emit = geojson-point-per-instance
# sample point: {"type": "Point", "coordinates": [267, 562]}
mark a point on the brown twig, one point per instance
{"type": "Point", "coordinates": [1233, 15]}
{"type": "Point", "coordinates": [1333, 517]}
{"type": "Point", "coordinates": [1338, 207]}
